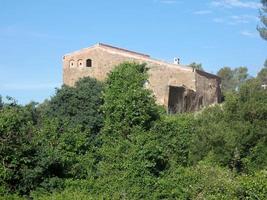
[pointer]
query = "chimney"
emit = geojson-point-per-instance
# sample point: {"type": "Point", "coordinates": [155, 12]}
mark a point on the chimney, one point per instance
{"type": "Point", "coordinates": [176, 61]}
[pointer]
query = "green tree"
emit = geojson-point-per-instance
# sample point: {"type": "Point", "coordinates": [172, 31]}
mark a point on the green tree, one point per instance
{"type": "Point", "coordinates": [235, 134]}
{"type": "Point", "coordinates": [17, 153]}
{"type": "Point", "coordinates": [127, 103]}
{"type": "Point", "coordinates": [78, 105]}
{"type": "Point", "coordinates": [227, 77]}
{"type": "Point", "coordinates": [61, 151]}
{"type": "Point", "coordinates": [232, 79]}
{"type": "Point", "coordinates": [129, 111]}
{"type": "Point", "coordinates": [41, 152]}
{"type": "Point", "coordinates": [263, 30]}
{"type": "Point", "coordinates": [1, 102]}
{"type": "Point", "coordinates": [66, 194]}
{"type": "Point", "coordinates": [262, 75]}
{"type": "Point", "coordinates": [196, 66]}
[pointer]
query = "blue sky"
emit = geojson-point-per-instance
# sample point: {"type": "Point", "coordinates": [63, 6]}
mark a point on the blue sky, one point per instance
{"type": "Point", "coordinates": [34, 35]}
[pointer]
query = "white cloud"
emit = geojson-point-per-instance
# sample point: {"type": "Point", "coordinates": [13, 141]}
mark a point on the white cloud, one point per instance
{"type": "Point", "coordinates": [33, 86]}
{"type": "Point", "coordinates": [218, 20]}
{"type": "Point", "coordinates": [209, 47]}
{"type": "Point", "coordinates": [236, 19]}
{"type": "Point", "coordinates": [202, 12]}
{"type": "Point", "coordinates": [236, 4]}
{"type": "Point", "coordinates": [19, 31]}
{"type": "Point", "coordinates": [242, 19]}
{"type": "Point", "coordinates": [249, 34]}
{"type": "Point", "coordinates": [169, 1]}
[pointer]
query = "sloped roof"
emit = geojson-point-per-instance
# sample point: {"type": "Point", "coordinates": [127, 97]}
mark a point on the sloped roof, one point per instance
{"type": "Point", "coordinates": [122, 50]}
{"type": "Point", "coordinates": [140, 56]}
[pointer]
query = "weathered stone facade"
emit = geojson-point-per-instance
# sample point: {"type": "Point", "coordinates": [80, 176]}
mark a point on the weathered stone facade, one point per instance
{"type": "Point", "coordinates": [179, 88]}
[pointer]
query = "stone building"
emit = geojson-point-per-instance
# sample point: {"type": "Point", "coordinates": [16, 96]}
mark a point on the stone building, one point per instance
{"type": "Point", "coordinates": [179, 88]}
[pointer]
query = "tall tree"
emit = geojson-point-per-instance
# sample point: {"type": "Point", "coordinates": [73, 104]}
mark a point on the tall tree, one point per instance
{"type": "Point", "coordinates": [129, 110]}
{"type": "Point", "coordinates": [263, 17]}
{"type": "Point", "coordinates": [1, 102]}
{"type": "Point", "coordinates": [227, 77]}
{"type": "Point", "coordinates": [78, 105]}
{"type": "Point", "coordinates": [262, 75]}
{"type": "Point", "coordinates": [232, 79]}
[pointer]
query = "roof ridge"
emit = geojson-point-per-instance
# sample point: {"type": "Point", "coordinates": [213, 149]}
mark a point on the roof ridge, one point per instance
{"type": "Point", "coordinates": [122, 49]}
{"type": "Point", "coordinates": [142, 57]}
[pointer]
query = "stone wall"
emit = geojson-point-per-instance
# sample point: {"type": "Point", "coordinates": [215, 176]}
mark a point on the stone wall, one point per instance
{"type": "Point", "coordinates": [162, 75]}
{"type": "Point", "coordinates": [208, 86]}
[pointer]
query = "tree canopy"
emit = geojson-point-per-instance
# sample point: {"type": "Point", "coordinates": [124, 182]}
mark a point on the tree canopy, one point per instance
{"type": "Point", "coordinates": [196, 66]}
{"type": "Point", "coordinates": [232, 79]}
{"type": "Point", "coordinates": [48, 151]}
{"type": "Point", "coordinates": [263, 11]}
{"type": "Point", "coordinates": [78, 105]}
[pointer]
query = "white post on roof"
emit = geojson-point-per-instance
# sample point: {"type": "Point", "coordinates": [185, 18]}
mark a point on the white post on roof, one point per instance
{"type": "Point", "coordinates": [176, 61]}
{"type": "Point", "coordinates": [264, 86]}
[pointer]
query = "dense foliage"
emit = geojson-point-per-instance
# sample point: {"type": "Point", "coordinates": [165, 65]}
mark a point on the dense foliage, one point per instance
{"type": "Point", "coordinates": [111, 141]}
{"type": "Point", "coordinates": [232, 79]}
{"type": "Point", "coordinates": [78, 105]}
{"type": "Point", "coordinates": [262, 75]}
{"type": "Point", "coordinates": [263, 11]}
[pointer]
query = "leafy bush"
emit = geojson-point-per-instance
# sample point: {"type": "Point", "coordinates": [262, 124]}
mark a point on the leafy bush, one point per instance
{"type": "Point", "coordinates": [253, 186]}
{"type": "Point", "coordinates": [17, 153]}
{"type": "Point", "coordinates": [127, 103]}
{"type": "Point", "coordinates": [129, 111]}
{"type": "Point", "coordinates": [123, 146]}
{"type": "Point", "coordinates": [235, 132]}
{"type": "Point", "coordinates": [78, 105]}
{"type": "Point", "coordinates": [67, 194]}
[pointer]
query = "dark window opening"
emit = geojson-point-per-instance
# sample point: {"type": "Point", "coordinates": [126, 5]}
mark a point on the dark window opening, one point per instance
{"type": "Point", "coordinates": [176, 99]}
{"type": "Point", "coordinates": [88, 63]}
{"type": "Point", "coordinates": [71, 63]}
{"type": "Point", "coordinates": [80, 62]}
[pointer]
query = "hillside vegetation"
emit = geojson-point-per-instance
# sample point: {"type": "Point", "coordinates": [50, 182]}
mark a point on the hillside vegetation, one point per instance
{"type": "Point", "coordinates": [111, 141]}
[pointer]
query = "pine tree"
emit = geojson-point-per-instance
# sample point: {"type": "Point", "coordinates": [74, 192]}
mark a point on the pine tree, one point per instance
{"type": "Point", "coordinates": [263, 17]}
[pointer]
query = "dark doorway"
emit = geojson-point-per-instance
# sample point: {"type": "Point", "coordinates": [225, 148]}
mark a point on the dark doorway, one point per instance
{"type": "Point", "coordinates": [176, 99]}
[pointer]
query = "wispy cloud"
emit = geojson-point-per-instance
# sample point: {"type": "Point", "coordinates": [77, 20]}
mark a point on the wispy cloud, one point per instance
{"type": "Point", "coordinates": [169, 1]}
{"type": "Point", "coordinates": [33, 86]}
{"type": "Point", "coordinates": [243, 19]}
{"type": "Point", "coordinates": [17, 31]}
{"type": "Point", "coordinates": [236, 4]}
{"type": "Point", "coordinates": [236, 19]}
{"type": "Point", "coordinates": [218, 20]}
{"type": "Point", "coordinates": [202, 12]}
{"type": "Point", "coordinates": [209, 47]}
{"type": "Point", "coordinates": [249, 34]}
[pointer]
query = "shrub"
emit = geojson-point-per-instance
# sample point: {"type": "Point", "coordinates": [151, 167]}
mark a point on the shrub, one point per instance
{"type": "Point", "coordinates": [78, 105]}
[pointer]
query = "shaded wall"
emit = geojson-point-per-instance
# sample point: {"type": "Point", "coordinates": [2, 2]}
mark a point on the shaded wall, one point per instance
{"type": "Point", "coordinates": [208, 86]}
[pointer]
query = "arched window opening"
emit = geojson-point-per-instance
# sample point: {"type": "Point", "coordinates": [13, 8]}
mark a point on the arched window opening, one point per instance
{"type": "Point", "coordinates": [72, 63]}
{"type": "Point", "coordinates": [88, 63]}
{"type": "Point", "coordinates": [80, 63]}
